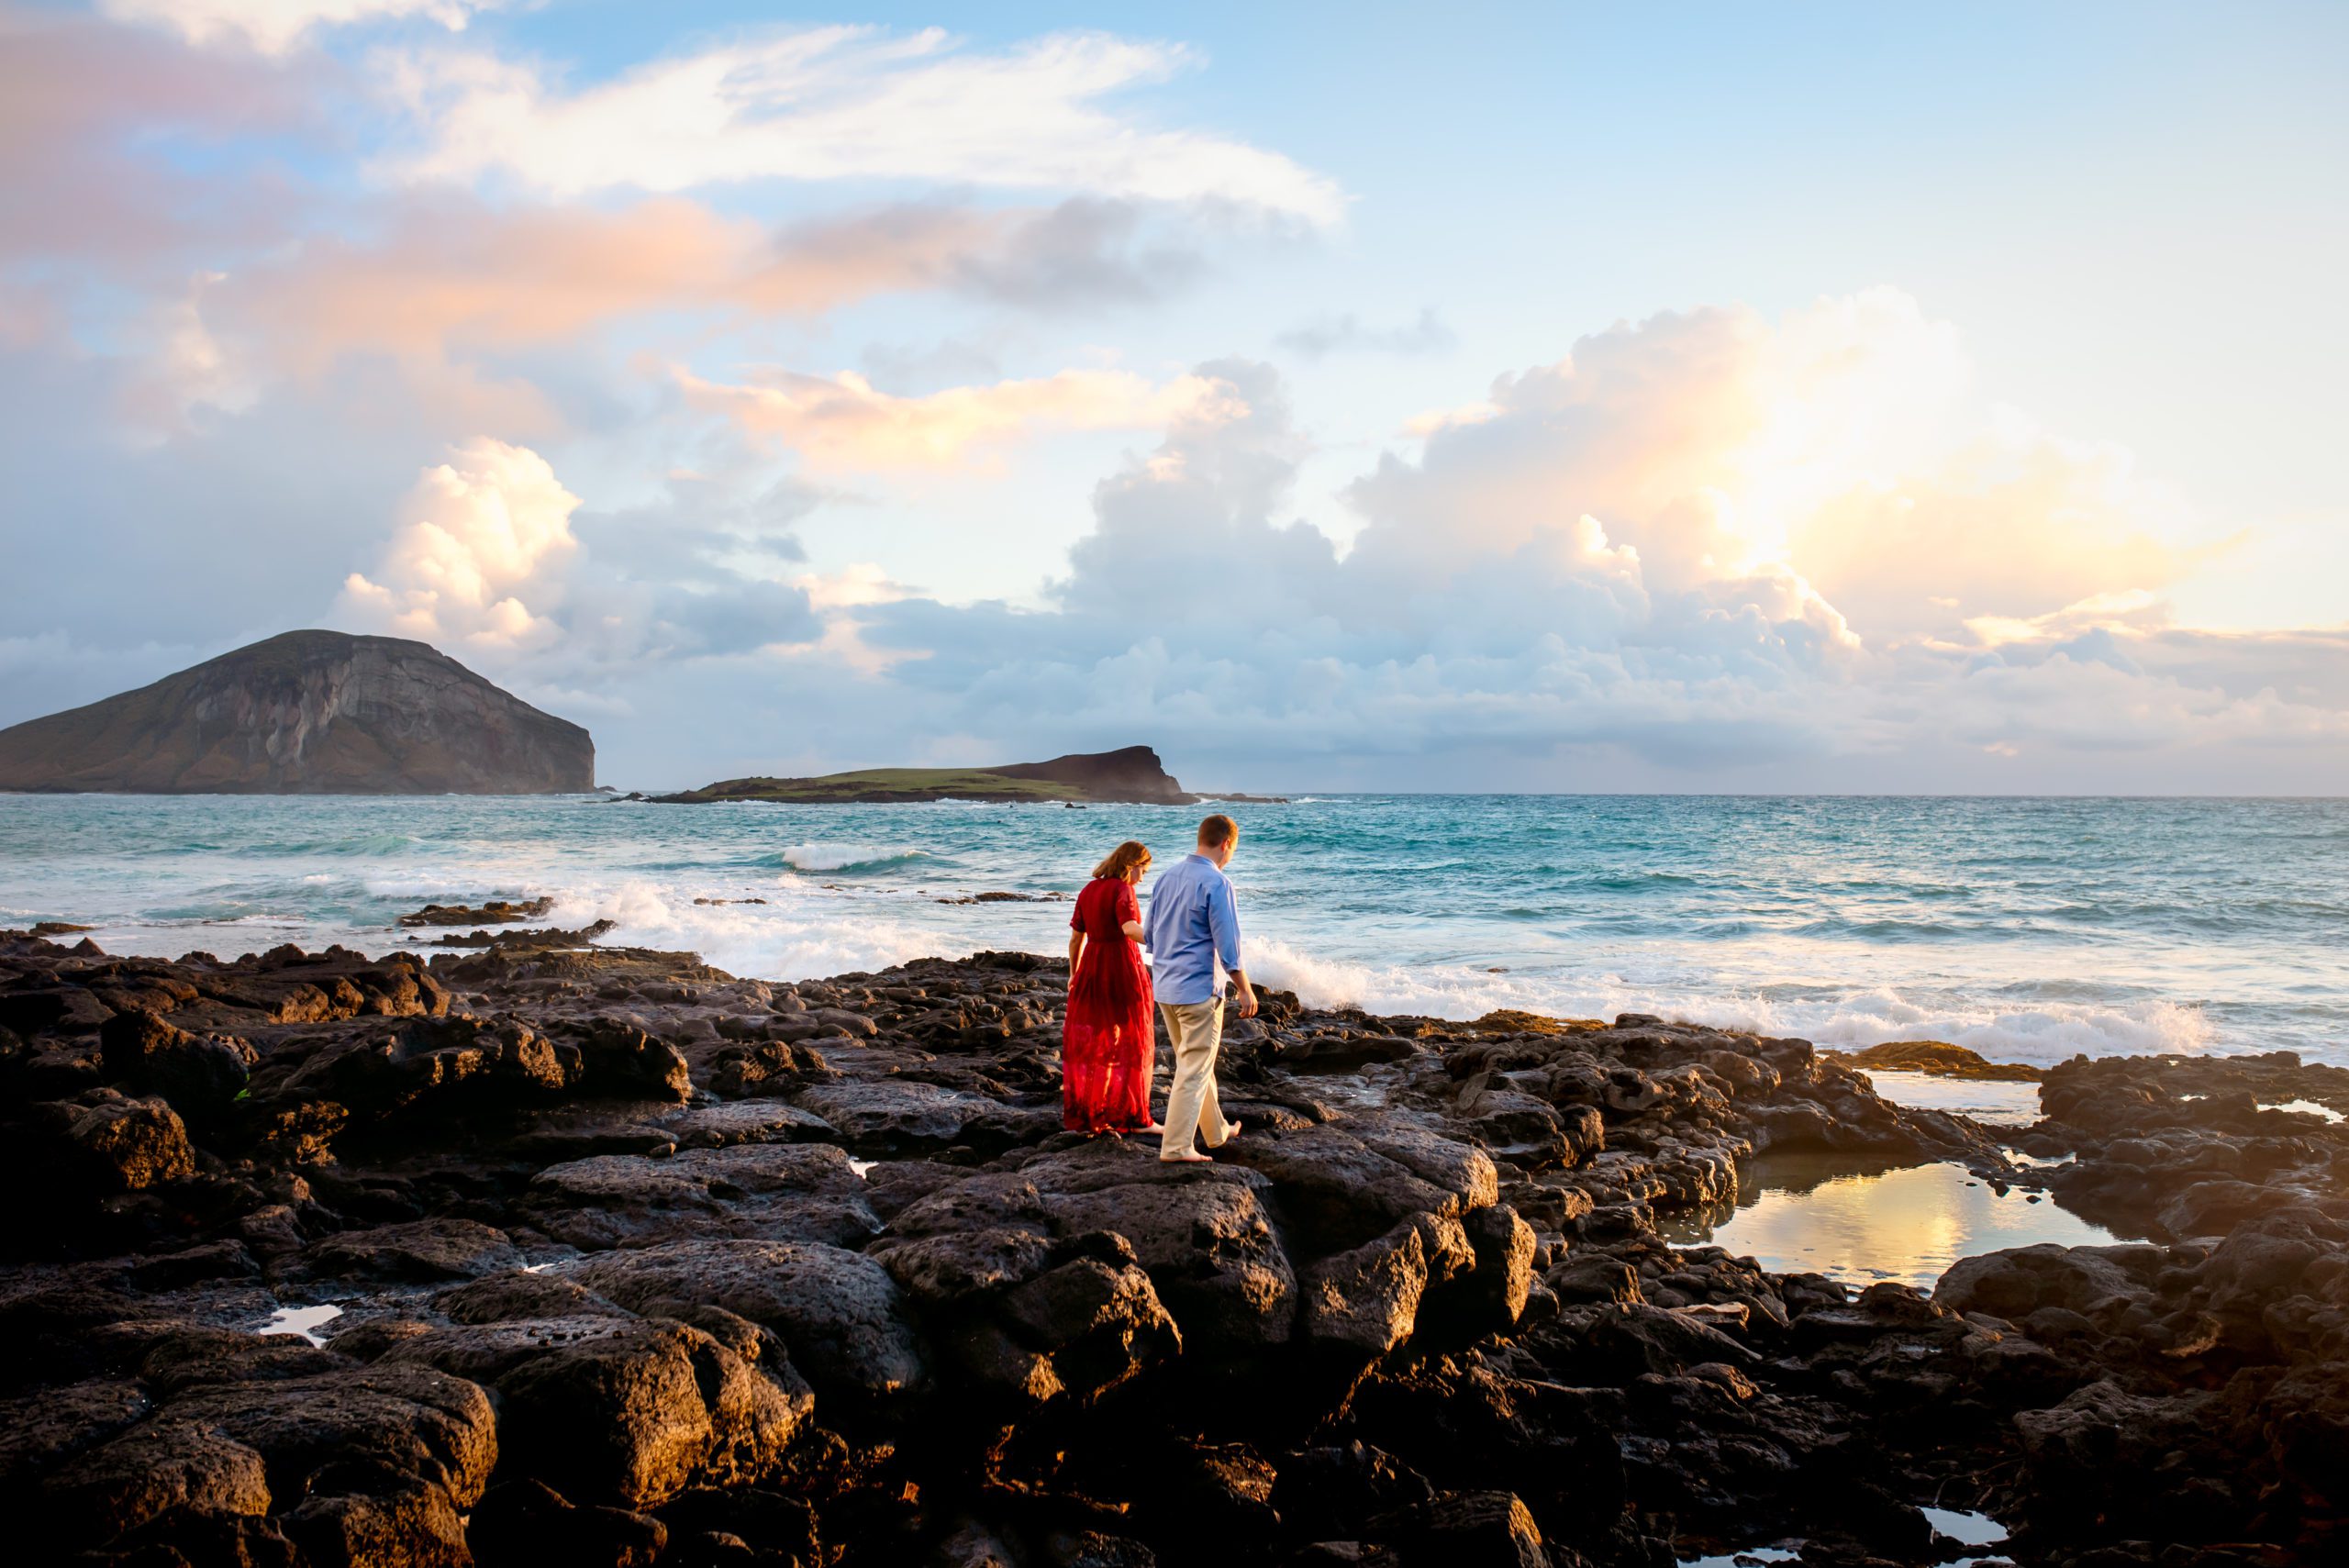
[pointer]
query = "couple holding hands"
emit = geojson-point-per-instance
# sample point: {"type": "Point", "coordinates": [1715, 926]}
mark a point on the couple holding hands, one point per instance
{"type": "Point", "coordinates": [1108, 1052]}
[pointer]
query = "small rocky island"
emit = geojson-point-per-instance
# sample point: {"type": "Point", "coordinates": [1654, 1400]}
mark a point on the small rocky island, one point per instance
{"type": "Point", "coordinates": [555, 1253]}
{"type": "Point", "coordinates": [306, 713]}
{"type": "Point", "coordinates": [1132, 775]}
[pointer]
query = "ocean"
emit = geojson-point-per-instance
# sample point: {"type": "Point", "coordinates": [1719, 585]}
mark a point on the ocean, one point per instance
{"type": "Point", "coordinates": [2030, 929]}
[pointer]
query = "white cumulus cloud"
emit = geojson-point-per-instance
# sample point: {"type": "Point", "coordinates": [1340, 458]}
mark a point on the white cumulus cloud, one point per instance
{"type": "Point", "coordinates": [475, 535]}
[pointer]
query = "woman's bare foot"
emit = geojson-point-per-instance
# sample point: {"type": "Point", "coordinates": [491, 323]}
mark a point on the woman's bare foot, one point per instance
{"type": "Point", "coordinates": [1151, 1127]}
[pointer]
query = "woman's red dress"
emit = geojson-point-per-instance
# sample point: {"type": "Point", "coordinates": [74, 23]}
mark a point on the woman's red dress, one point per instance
{"type": "Point", "coordinates": [1108, 1052]}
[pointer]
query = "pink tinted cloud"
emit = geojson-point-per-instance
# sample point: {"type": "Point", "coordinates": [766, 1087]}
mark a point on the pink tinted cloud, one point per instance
{"type": "Point", "coordinates": [454, 275]}
{"type": "Point", "coordinates": [78, 100]}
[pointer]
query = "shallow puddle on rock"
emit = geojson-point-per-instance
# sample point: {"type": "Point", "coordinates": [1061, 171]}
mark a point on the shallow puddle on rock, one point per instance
{"type": "Point", "coordinates": [1966, 1526]}
{"type": "Point", "coordinates": [2306, 1108]}
{"type": "Point", "coordinates": [861, 1166]}
{"type": "Point", "coordinates": [1986, 1101]}
{"type": "Point", "coordinates": [1860, 1223]}
{"type": "Point", "coordinates": [304, 1320]}
{"type": "Point", "coordinates": [1958, 1527]}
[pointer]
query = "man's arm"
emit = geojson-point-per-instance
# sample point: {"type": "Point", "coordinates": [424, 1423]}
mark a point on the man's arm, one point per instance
{"type": "Point", "coordinates": [1223, 921]}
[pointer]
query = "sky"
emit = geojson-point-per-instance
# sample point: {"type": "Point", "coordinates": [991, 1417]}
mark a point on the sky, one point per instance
{"type": "Point", "coordinates": [1716, 399]}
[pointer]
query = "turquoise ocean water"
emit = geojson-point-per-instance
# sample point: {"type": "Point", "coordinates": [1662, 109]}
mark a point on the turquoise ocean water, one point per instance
{"type": "Point", "coordinates": [2030, 929]}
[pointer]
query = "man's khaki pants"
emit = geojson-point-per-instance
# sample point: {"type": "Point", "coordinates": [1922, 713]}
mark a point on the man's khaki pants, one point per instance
{"type": "Point", "coordinates": [1196, 1030]}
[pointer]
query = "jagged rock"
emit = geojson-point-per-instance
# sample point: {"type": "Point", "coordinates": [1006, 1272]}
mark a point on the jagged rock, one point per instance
{"type": "Point", "coordinates": [1472, 1529]}
{"type": "Point", "coordinates": [838, 1313]}
{"type": "Point", "coordinates": [898, 1115]}
{"type": "Point", "coordinates": [617, 1410]}
{"type": "Point", "coordinates": [118, 1144]}
{"type": "Point", "coordinates": [420, 1252]}
{"type": "Point", "coordinates": [1365, 1302]}
{"type": "Point", "coordinates": [2020, 1281]}
{"type": "Point", "coordinates": [365, 1465]}
{"type": "Point", "coordinates": [1343, 1191]}
{"type": "Point", "coordinates": [502, 1298]}
{"type": "Point", "coordinates": [493, 912]}
{"type": "Point", "coordinates": [805, 1191]}
{"type": "Point", "coordinates": [1201, 1233]}
{"type": "Point", "coordinates": [525, 1522]}
{"type": "Point", "coordinates": [142, 1049]}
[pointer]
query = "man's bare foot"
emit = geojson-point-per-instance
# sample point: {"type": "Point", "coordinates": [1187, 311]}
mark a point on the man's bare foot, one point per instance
{"type": "Point", "coordinates": [1194, 1159]}
{"type": "Point", "coordinates": [1228, 1136]}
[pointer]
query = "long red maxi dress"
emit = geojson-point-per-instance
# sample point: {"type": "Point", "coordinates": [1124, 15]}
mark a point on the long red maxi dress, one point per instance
{"type": "Point", "coordinates": [1108, 1052]}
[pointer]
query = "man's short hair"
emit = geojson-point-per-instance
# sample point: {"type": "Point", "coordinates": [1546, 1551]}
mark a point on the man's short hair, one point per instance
{"type": "Point", "coordinates": [1217, 832]}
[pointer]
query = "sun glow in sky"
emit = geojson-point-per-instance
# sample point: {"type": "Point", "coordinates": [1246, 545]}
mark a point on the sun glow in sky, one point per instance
{"type": "Point", "coordinates": [1544, 397]}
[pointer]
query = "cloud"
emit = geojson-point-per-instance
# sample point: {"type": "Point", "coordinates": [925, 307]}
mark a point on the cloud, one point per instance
{"type": "Point", "coordinates": [84, 109]}
{"type": "Point", "coordinates": [274, 26]}
{"type": "Point", "coordinates": [844, 102]}
{"type": "Point", "coordinates": [844, 422]}
{"type": "Point", "coordinates": [454, 275]}
{"type": "Point", "coordinates": [1606, 580]}
{"type": "Point", "coordinates": [1345, 334]}
{"type": "Point", "coordinates": [483, 557]}
{"type": "Point", "coordinates": [443, 284]}
{"type": "Point", "coordinates": [475, 534]}
{"type": "Point", "coordinates": [1082, 253]}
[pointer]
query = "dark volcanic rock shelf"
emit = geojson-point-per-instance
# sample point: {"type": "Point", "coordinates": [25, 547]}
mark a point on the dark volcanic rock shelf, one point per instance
{"type": "Point", "coordinates": [633, 1260]}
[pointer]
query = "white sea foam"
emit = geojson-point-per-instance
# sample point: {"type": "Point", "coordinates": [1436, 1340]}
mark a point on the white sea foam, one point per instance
{"type": "Point", "coordinates": [2044, 1034]}
{"type": "Point", "coordinates": [2048, 1033]}
{"type": "Point", "coordinates": [822, 857]}
{"type": "Point", "coordinates": [2132, 948]}
{"type": "Point", "coordinates": [796, 935]}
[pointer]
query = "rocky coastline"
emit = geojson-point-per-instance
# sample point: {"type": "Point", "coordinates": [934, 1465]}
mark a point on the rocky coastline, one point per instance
{"type": "Point", "coordinates": [590, 1255]}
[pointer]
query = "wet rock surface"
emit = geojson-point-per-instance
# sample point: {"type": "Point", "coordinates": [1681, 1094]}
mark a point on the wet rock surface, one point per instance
{"type": "Point", "coordinates": [616, 1258]}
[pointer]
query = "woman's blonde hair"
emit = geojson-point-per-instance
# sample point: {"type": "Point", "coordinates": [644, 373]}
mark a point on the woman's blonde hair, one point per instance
{"type": "Point", "coordinates": [1126, 856]}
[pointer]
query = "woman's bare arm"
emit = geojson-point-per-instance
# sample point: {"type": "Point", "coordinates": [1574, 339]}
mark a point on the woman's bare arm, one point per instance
{"type": "Point", "coordinates": [1132, 929]}
{"type": "Point", "coordinates": [1076, 946]}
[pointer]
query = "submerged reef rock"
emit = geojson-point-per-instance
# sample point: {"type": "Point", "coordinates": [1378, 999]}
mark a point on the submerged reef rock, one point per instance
{"type": "Point", "coordinates": [560, 1253]}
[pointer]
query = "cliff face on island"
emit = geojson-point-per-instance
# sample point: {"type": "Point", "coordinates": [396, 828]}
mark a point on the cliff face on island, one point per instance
{"type": "Point", "coordinates": [306, 713]}
{"type": "Point", "coordinates": [1132, 773]}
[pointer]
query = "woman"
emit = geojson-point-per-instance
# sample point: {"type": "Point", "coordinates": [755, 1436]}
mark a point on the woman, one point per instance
{"type": "Point", "coordinates": [1108, 1052]}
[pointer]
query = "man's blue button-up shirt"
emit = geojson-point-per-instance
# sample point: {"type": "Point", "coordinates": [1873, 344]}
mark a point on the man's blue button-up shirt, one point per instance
{"type": "Point", "coordinates": [1193, 920]}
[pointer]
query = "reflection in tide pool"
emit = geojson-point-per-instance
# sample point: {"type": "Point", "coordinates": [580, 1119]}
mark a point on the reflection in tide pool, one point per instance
{"type": "Point", "coordinates": [1829, 1214]}
{"type": "Point", "coordinates": [1989, 1102]}
{"type": "Point", "coordinates": [306, 1321]}
{"type": "Point", "coordinates": [2303, 1107]}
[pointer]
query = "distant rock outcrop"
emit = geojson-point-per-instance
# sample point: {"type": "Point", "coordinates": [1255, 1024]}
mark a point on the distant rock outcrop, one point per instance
{"type": "Point", "coordinates": [1132, 775]}
{"type": "Point", "coordinates": [306, 713]}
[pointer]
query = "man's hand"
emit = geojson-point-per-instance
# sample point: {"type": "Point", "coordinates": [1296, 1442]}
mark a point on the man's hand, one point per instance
{"type": "Point", "coordinates": [1247, 993]}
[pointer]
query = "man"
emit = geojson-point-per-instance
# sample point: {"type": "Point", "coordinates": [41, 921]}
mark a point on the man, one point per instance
{"type": "Point", "coordinates": [1194, 925]}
